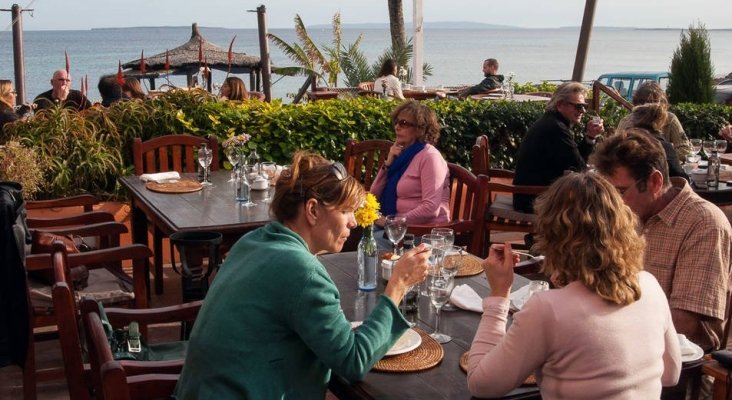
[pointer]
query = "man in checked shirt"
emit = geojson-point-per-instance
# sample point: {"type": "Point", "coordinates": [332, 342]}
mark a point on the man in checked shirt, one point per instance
{"type": "Point", "coordinates": [689, 240]}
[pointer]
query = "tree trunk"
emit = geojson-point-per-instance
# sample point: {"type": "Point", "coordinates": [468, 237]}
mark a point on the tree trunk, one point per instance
{"type": "Point", "coordinates": [396, 24]}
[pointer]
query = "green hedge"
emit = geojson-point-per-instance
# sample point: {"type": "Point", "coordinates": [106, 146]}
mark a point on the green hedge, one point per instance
{"type": "Point", "coordinates": [87, 151]}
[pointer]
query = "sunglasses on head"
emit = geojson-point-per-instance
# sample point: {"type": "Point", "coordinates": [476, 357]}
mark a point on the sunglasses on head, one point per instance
{"type": "Point", "coordinates": [581, 107]}
{"type": "Point", "coordinates": [403, 123]}
{"type": "Point", "coordinates": [336, 169]}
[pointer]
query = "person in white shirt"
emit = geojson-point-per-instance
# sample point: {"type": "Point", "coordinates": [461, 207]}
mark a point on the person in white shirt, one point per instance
{"type": "Point", "coordinates": [387, 82]}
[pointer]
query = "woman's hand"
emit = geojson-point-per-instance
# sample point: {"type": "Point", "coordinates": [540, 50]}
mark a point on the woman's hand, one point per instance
{"type": "Point", "coordinates": [394, 151]}
{"type": "Point", "coordinates": [498, 269]}
{"type": "Point", "coordinates": [408, 271]}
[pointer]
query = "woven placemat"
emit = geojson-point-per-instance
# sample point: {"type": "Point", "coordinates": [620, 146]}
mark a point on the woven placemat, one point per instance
{"type": "Point", "coordinates": [182, 186]}
{"type": "Point", "coordinates": [426, 356]}
{"type": "Point", "coordinates": [530, 380]}
{"type": "Point", "coordinates": [471, 266]}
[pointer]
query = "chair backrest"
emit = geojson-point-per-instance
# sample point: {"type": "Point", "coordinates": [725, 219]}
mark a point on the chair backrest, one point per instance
{"type": "Point", "coordinates": [481, 154]}
{"type": "Point", "coordinates": [363, 159]}
{"type": "Point", "coordinates": [171, 153]}
{"type": "Point", "coordinates": [256, 95]}
{"type": "Point", "coordinates": [366, 86]}
{"type": "Point", "coordinates": [111, 377]}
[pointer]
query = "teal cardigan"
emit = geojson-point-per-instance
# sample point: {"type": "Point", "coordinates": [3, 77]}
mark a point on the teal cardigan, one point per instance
{"type": "Point", "coordinates": [272, 327]}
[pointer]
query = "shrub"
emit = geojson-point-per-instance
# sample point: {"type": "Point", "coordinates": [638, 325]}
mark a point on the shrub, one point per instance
{"type": "Point", "coordinates": [692, 74]}
{"type": "Point", "coordinates": [21, 164]}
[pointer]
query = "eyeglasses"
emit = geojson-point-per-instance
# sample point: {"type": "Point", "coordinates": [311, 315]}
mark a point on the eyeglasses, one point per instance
{"type": "Point", "coordinates": [581, 107]}
{"type": "Point", "coordinates": [63, 80]}
{"type": "Point", "coordinates": [13, 92]}
{"type": "Point", "coordinates": [403, 123]}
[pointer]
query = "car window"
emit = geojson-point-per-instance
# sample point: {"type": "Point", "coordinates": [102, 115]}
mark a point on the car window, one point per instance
{"type": "Point", "coordinates": [621, 85]}
{"type": "Point", "coordinates": [663, 82]}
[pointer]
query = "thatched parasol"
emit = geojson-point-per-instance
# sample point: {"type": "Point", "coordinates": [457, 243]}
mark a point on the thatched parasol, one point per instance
{"type": "Point", "coordinates": [185, 60]}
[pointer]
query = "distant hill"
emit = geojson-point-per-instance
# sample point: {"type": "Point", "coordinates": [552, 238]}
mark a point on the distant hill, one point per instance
{"type": "Point", "coordinates": [427, 25]}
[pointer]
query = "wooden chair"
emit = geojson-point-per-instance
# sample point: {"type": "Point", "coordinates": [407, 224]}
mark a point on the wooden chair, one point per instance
{"type": "Point", "coordinates": [467, 209]}
{"type": "Point", "coordinates": [76, 371]}
{"type": "Point", "coordinates": [481, 161]}
{"type": "Point", "coordinates": [112, 380]}
{"type": "Point", "coordinates": [366, 86]}
{"type": "Point", "coordinates": [363, 159]}
{"type": "Point", "coordinates": [500, 214]}
{"type": "Point", "coordinates": [168, 153]}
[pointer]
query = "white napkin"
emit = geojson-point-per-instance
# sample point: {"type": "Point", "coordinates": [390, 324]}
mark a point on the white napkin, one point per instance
{"type": "Point", "coordinates": [687, 348]}
{"type": "Point", "coordinates": [160, 177]}
{"type": "Point", "coordinates": [519, 297]}
{"type": "Point", "coordinates": [465, 297]}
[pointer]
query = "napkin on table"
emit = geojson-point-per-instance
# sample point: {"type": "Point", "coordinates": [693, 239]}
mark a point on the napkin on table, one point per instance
{"type": "Point", "coordinates": [519, 297]}
{"type": "Point", "coordinates": [160, 177]}
{"type": "Point", "coordinates": [465, 297]}
{"type": "Point", "coordinates": [687, 348]}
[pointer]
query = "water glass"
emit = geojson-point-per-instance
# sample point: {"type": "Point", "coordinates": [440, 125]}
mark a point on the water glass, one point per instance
{"type": "Point", "coordinates": [232, 154]}
{"type": "Point", "coordinates": [436, 244]}
{"type": "Point", "coordinates": [440, 287]}
{"type": "Point", "coordinates": [447, 233]}
{"type": "Point", "coordinates": [720, 146]}
{"type": "Point", "coordinates": [696, 145]}
{"type": "Point", "coordinates": [451, 263]}
{"type": "Point", "coordinates": [396, 228]}
{"type": "Point", "coordinates": [269, 170]}
{"type": "Point", "coordinates": [243, 187]}
{"type": "Point", "coordinates": [205, 156]}
{"type": "Point", "coordinates": [708, 146]}
{"type": "Point", "coordinates": [536, 287]}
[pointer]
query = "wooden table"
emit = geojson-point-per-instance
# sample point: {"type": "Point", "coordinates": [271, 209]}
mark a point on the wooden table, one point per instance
{"type": "Point", "coordinates": [516, 97]}
{"type": "Point", "coordinates": [211, 209]}
{"type": "Point", "coordinates": [427, 94]}
{"type": "Point", "coordinates": [721, 195]}
{"type": "Point", "coordinates": [446, 380]}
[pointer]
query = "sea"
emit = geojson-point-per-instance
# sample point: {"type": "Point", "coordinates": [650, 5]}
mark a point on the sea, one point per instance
{"type": "Point", "coordinates": [456, 55]}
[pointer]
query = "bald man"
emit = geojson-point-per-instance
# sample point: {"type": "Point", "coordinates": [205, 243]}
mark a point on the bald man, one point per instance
{"type": "Point", "coordinates": [62, 94]}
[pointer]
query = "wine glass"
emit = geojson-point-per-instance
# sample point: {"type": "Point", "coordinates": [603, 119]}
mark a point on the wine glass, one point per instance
{"type": "Point", "coordinates": [696, 145]}
{"type": "Point", "coordinates": [244, 185]}
{"type": "Point", "coordinates": [436, 244]}
{"type": "Point", "coordinates": [269, 170]}
{"type": "Point", "coordinates": [447, 233]}
{"type": "Point", "coordinates": [452, 260]}
{"type": "Point", "coordinates": [232, 154]}
{"type": "Point", "coordinates": [439, 286]}
{"type": "Point", "coordinates": [720, 146]}
{"type": "Point", "coordinates": [708, 146]}
{"type": "Point", "coordinates": [396, 227]}
{"type": "Point", "coordinates": [205, 156]}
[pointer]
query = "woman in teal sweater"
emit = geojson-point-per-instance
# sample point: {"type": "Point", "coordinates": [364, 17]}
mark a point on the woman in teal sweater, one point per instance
{"type": "Point", "coordinates": [271, 326]}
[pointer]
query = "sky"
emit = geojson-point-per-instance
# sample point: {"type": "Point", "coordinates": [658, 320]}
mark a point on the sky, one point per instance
{"type": "Point", "coordinates": [88, 14]}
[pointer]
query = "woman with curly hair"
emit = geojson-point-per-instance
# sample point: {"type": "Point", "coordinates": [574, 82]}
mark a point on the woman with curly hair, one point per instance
{"type": "Point", "coordinates": [413, 182]}
{"type": "Point", "coordinates": [605, 333]}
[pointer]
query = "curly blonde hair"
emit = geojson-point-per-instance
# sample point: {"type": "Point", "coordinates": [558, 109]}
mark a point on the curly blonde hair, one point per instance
{"type": "Point", "coordinates": [588, 234]}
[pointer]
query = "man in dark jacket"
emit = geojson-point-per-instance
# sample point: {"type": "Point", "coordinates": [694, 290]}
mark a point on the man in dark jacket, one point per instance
{"type": "Point", "coordinates": [549, 148]}
{"type": "Point", "coordinates": [491, 81]}
{"type": "Point", "coordinates": [62, 93]}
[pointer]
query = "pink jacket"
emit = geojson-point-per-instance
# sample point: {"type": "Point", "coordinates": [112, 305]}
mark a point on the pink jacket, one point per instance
{"type": "Point", "coordinates": [578, 345]}
{"type": "Point", "coordinates": [423, 192]}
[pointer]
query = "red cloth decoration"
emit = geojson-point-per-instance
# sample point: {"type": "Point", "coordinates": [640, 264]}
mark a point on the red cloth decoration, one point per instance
{"type": "Point", "coordinates": [68, 63]}
{"type": "Point", "coordinates": [120, 77]}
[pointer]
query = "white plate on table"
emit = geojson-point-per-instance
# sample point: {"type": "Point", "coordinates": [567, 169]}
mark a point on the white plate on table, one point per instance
{"type": "Point", "coordinates": [409, 341]}
{"type": "Point", "coordinates": [697, 354]}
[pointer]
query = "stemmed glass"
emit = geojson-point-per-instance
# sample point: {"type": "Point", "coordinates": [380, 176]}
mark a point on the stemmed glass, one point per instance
{"type": "Point", "coordinates": [232, 154]}
{"type": "Point", "coordinates": [439, 285]}
{"type": "Point", "coordinates": [269, 169]}
{"type": "Point", "coordinates": [452, 260]}
{"type": "Point", "coordinates": [447, 233]}
{"type": "Point", "coordinates": [436, 244]}
{"type": "Point", "coordinates": [244, 174]}
{"type": "Point", "coordinates": [205, 156]}
{"type": "Point", "coordinates": [720, 146]}
{"type": "Point", "coordinates": [396, 227]}
{"type": "Point", "coordinates": [696, 145]}
{"type": "Point", "coordinates": [708, 146]}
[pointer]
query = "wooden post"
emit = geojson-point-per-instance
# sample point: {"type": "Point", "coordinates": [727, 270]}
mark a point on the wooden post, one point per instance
{"type": "Point", "coordinates": [584, 40]}
{"type": "Point", "coordinates": [18, 57]}
{"type": "Point", "coordinates": [264, 63]}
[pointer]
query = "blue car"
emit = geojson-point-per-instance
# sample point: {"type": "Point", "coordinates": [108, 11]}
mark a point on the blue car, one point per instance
{"type": "Point", "coordinates": [626, 83]}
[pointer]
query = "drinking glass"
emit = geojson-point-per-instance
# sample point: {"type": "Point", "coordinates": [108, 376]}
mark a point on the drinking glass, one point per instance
{"type": "Point", "coordinates": [269, 169]}
{"type": "Point", "coordinates": [451, 263]}
{"type": "Point", "coordinates": [436, 244]}
{"type": "Point", "coordinates": [447, 233]}
{"type": "Point", "coordinates": [232, 154]}
{"type": "Point", "coordinates": [696, 145]}
{"type": "Point", "coordinates": [205, 156]}
{"type": "Point", "coordinates": [245, 173]}
{"type": "Point", "coordinates": [439, 285]}
{"type": "Point", "coordinates": [708, 146]}
{"type": "Point", "coordinates": [396, 227]}
{"type": "Point", "coordinates": [720, 146]}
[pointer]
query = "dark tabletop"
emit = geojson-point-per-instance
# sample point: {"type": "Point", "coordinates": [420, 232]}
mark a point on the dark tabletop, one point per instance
{"type": "Point", "coordinates": [446, 380]}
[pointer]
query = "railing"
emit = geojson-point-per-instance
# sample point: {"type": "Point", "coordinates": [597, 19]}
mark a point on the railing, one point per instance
{"type": "Point", "coordinates": [598, 87]}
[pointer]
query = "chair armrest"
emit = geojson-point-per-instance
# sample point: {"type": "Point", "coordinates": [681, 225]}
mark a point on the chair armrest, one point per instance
{"type": "Point", "coordinates": [500, 173]}
{"type": "Point", "coordinates": [515, 189]}
{"type": "Point", "coordinates": [82, 200]}
{"type": "Point", "coordinates": [86, 218]}
{"type": "Point", "coordinates": [152, 386]}
{"type": "Point", "coordinates": [99, 229]}
{"type": "Point", "coordinates": [135, 368]}
{"type": "Point", "coordinates": [182, 312]}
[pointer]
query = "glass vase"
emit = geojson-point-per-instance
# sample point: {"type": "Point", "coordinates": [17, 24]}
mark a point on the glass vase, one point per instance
{"type": "Point", "coordinates": [367, 260]}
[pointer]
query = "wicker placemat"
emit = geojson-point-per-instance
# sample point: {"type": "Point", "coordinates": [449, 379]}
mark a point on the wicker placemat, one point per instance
{"type": "Point", "coordinates": [181, 186]}
{"type": "Point", "coordinates": [426, 356]}
{"type": "Point", "coordinates": [530, 380]}
{"type": "Point", "coordinates": [471, 266]}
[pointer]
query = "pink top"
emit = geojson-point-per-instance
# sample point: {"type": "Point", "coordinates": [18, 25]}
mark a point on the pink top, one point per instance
{"type": "Point", "coordinates": [423, 192]}
{"type": "Point", "coordinates": [577, 345]}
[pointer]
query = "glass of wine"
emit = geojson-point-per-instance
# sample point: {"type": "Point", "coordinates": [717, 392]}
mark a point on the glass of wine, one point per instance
{"type": "Point", "coordinates": [232, 154]}
{"type": "Point", "coordinates": [269, 170]}
{"type": "Point", "coordinates": [439, 285]}
{"type": "Point", "coordinates": [395, 227]}
{"type": "Point", "coordinates": [720, 146]}
{"type": "Point", "coordinates": [205, 156]}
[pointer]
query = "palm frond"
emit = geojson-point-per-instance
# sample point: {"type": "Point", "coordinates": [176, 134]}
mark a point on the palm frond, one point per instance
{"type": "Point", "coordinates": [307, 43]}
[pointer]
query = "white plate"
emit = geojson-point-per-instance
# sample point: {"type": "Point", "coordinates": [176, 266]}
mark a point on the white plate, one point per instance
{"type": "Point", "coordinates": [409, 341]}
{"type": "Point", "coordinates": [698, 352]}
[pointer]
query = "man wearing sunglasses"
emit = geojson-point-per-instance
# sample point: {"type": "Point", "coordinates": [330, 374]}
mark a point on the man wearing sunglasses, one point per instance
{"type": "Point", "coordinates": [61, 93]}
{"type": "Point", "coordinates": [549, 148]}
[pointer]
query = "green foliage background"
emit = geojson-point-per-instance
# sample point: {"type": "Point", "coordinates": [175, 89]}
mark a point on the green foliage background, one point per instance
{"type": "Point", "coordinates": [88, 151]}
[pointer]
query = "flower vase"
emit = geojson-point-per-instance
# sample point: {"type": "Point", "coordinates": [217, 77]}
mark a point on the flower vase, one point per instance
{"type": "Point", "coordinates": [367, 260]}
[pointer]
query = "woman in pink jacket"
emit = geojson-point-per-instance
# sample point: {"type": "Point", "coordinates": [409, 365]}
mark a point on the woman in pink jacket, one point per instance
{"type": "Point", "coordinates": [414, 179]}
{"type": "Point", "coordinates": [605, 333]}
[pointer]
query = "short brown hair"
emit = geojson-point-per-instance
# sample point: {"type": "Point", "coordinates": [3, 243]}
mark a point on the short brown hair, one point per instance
{"type": "Point", "coordinates": [634, 149]}
{"type": "Point", "coordinates": [424, 117]}
{"type": "Point", "coordinates": [312, 177]}
{"type": "Point", "coordinates": [588, 234]}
